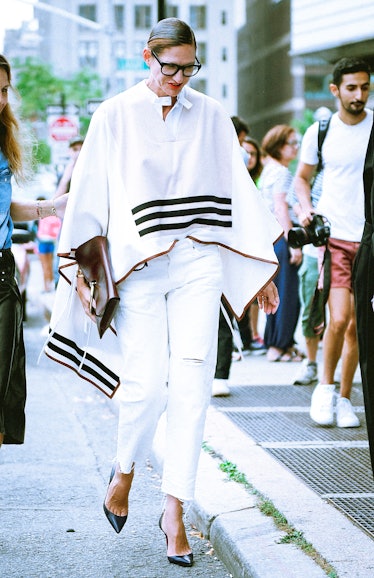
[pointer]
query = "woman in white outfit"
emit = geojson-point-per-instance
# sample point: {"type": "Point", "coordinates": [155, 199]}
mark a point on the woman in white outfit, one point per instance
{"type": "Point", "coordinates": [161, 175]}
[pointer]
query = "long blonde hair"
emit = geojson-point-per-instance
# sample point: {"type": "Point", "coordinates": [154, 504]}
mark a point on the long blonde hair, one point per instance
{"type": "Point", "coordinates": [10, 138]}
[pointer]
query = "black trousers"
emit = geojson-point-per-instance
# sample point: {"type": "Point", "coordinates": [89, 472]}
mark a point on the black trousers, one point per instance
{"type": "Point", "coordinates": [12, 354]}
{"type": "Point", "coordinates": [363, 284]}
{"type": "Point", "coordinates": [225, 343]}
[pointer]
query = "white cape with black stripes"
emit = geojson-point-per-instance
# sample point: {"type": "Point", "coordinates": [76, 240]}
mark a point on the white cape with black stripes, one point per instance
{"type": "Point", "coordinates": [145, 188]}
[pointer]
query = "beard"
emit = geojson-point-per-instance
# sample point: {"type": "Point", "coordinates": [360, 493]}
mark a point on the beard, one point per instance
{"type": "Point", "coordinates": [355, 108]}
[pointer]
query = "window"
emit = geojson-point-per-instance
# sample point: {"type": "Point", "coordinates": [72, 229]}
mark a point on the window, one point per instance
{"type": "Point", "coordinates": [143, 16]}
{"type": "Point", "coordinates": [224, 91]}
{"type": "Point", "coordinates": [119, 50]}
{"type": "Point", "coordinates": [88, 11]}
{"type": "Point", "coordinates": [88, 54]}
{"type": "Point", "coordinates": [120, 84]}
{"type": "Point", "coordinates": [199, 84]}
{"type": "Point", "coordinates": [201, 52]}
{"type": "Point", "coordinates": [224, 54]}
{"type": "Point", "coordinates": [119, 17]}
{"type": "Point", "coordinates": [198, 17]}
{"type": "Point", "coordinates": [171, 11]}
{"type": "Point", "coordinates": [138, 48]}
{"type": "Point", "coordinates": [223, 17]}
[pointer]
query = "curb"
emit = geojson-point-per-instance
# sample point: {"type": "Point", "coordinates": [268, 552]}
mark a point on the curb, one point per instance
{"type": "Point", "coordinates": [342, 544]}
{"type": "Point", "coordinates": [244, 539]}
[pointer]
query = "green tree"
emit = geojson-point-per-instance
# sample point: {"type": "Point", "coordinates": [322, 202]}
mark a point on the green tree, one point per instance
{"type": "Point", "coordinates": [302, 124]}
{"type": "Point", "coordinates": [83, 86]}
{"type": "Point", "coordinates": [38, 87]}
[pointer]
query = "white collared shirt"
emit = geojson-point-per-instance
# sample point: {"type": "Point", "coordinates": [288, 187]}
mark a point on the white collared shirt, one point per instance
{"type": "Point", "coordinates": [172, 118]}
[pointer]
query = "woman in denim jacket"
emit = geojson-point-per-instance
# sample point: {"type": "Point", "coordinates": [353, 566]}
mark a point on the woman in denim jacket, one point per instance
{"type": "Point", "coordinates": [12, 352]}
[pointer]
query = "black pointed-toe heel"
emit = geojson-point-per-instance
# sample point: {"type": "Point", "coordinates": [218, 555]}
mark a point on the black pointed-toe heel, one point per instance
{"type": "Point", "coordinates": [117, 522]}
{"type": "Point", "coordinates": [185, 560]}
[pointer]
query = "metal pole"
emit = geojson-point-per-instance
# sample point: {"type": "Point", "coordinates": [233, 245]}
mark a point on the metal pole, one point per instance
{"type": "Point", "coordinates": [161, 9]}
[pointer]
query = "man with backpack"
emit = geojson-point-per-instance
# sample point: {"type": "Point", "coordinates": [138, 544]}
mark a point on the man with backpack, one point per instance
{"type": "Point", "coordinates": [342, 203]}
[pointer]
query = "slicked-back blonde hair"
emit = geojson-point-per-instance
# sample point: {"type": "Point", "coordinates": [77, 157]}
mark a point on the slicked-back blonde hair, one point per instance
{"type": "Point", "coordinates": [170, 32]}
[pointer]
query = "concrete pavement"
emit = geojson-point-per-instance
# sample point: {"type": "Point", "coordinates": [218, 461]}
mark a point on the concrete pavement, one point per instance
{"type": "Point", "coordinates": [53, 487]}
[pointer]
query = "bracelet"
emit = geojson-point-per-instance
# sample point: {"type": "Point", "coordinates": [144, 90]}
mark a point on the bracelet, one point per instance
{"type": "Point", "coordinates": [39, 210]}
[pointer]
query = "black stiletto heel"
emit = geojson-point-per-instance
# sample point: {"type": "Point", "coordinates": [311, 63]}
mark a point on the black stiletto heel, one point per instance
{"type": "Point", "coordinates": [185, 560]}
{"type": "Point", "coordinates": [117, 522]}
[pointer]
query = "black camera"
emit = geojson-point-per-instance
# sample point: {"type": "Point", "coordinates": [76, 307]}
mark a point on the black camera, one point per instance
{"type": "Point", "coordinates": [317, 233]}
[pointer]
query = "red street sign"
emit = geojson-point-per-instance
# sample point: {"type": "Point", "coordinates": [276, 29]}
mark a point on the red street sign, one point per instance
{"type": "Point", "coordinates": [63, 129]}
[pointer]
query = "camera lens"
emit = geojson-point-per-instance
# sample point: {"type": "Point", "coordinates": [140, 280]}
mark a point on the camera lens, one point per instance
{"type": "Point", "coordinates": [298, 237]}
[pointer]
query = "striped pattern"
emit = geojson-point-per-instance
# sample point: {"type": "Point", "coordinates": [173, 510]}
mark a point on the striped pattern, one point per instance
{"type": "Point", "coordinates": [181, 213]}
{"type": "Point", "coordinates": [66, 352]}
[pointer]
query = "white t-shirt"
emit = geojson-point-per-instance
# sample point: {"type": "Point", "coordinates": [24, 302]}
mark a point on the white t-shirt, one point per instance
{"type": "Point", "coordinates": [276, 179]}
{"type": "Point", "coordinates": [343, 153]}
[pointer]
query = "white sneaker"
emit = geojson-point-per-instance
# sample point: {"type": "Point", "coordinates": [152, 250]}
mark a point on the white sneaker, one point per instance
{"type": "Point", "coordinates": [345, 415]}
{"type": "Point", "coordinates": [307, 374]}
{"type": "Point", "coordinates": [322, 404]}
{"type": "Point", "coordinates": [220, 388]}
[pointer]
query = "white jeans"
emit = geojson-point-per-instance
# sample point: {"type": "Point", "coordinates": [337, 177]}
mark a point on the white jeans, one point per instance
{"type": "Point", "coordinates": [167, 323]}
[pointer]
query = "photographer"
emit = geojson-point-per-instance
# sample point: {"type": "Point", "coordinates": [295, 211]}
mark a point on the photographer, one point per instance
{"type": "Point", "coordinates": [310, 238]}
{"type": "Point", "coordinates": [342, 202]}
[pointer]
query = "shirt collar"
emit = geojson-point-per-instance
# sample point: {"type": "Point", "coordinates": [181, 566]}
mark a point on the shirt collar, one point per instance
{"type": "Point", "coordinates": [182, 100]}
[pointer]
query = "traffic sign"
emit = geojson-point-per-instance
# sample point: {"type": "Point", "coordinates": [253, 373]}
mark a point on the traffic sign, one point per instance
{"type": "Point", "coordinates": [92, 105]}
{"type": "Point", "coordinates": [63, 129]}
{"type": "Point", "coordinates": [62, 110]}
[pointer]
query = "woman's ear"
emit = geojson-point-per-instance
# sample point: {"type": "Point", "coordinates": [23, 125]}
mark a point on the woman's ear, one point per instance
{"type": "Point", "coordinates": [147, 56]}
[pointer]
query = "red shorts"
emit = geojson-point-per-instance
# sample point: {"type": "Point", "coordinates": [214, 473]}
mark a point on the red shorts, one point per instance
{"type": "Point", "coordinates": [343, 254]}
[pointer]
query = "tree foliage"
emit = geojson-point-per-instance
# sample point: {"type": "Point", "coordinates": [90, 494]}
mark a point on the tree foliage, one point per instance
{"type": "Point", "coordinates": [38, 87]}
{"type": "Point", "coordinates": [302, 124]}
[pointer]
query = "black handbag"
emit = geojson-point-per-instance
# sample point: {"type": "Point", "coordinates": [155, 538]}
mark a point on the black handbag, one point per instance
{"type": "Point", "coordinates": [94, 261]}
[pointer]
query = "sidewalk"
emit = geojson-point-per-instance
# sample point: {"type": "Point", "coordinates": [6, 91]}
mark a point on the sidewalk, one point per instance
{"type": "Point", "coordinates": [264, 403]}
{"type": "Point", "coordinates": [53, 486]}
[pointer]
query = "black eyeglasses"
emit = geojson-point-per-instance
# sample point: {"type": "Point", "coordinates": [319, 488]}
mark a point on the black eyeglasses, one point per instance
{"type": "Point", "coordinates": [169, 68]}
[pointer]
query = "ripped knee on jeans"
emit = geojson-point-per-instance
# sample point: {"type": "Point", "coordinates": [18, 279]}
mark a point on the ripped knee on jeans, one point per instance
{"type": "Point", "coordinates": [193, 361]}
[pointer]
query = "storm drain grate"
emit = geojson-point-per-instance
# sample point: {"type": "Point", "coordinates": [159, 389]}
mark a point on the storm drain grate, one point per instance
{"type": "Point", "coordinates": [274, 395]}
{"type": "Point", "coordinates": [359, 510]}
{"type": "Point", "coordinates": [334, 462]}
{"type": "Point", "coordinates": [284, 427]}
{"type": "Point", "coordinates": [330, 470]}
{"type": "Point", "coordinates": [268, 395]}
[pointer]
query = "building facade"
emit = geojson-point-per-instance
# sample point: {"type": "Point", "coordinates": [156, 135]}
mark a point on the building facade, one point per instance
{"type": "Point", "coordinates": [324, 32]}
{"type": "Point", "coordinates": [108, 36]}
{"type": "Point", "coordinates": [286, 53]}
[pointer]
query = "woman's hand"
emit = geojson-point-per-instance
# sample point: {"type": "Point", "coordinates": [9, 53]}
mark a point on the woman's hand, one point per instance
{"type": "Point", "coordinates": [60, 204]}
{"type": "Point", "coordinates": [268, 298]}
{"type": "Point", "coordinates": [84, 293]}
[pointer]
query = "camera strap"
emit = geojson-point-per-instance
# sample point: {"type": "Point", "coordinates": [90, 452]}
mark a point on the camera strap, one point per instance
{"type": "Point", "coordinates": [323, 127]}
{"type": "Point", "coordinates": [317, 314]}
{"type": "Point", "coordinates": [326, 270]}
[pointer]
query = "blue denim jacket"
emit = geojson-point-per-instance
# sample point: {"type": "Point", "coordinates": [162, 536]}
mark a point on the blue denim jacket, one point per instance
{"type": "Point", "coordinates": [6, 224]}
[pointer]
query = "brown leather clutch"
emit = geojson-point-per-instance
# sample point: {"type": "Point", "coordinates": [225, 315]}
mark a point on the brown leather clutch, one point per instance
{"type": "Point", "coordinates": [94, 261]}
